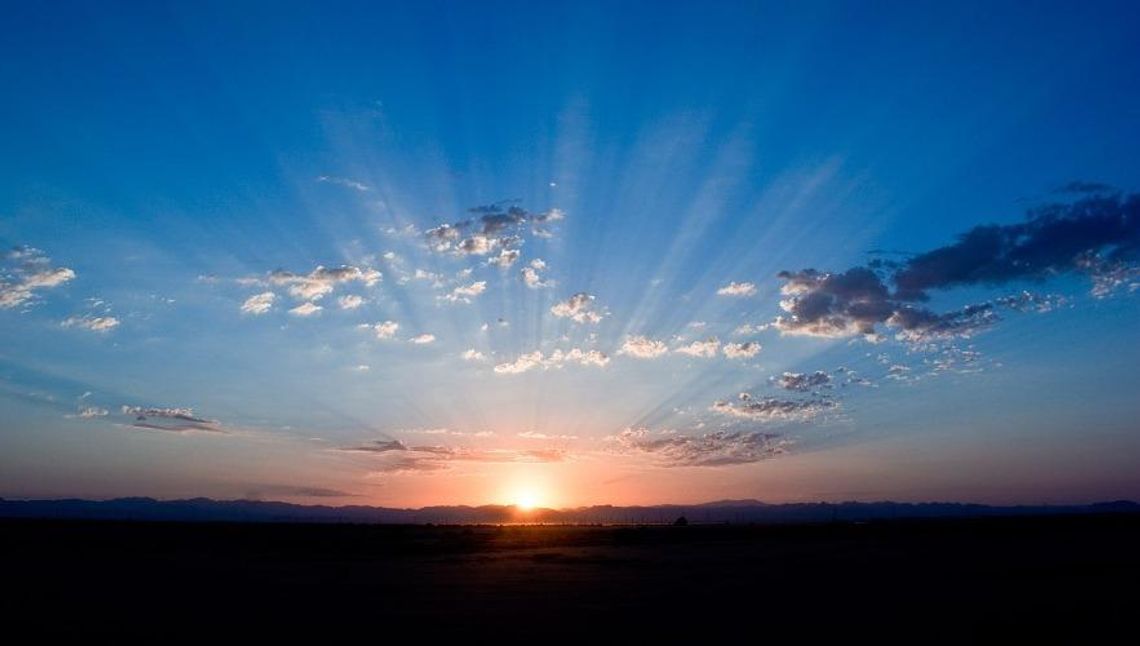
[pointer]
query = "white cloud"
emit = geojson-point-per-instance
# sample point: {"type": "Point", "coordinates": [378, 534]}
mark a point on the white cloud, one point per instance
{"type": "Point", "coordinates": [641, 347]}
{"type": "Point", "coordinates": [707, 348]}
{"type": "Point", "coordinates": [473, 355]}
{"type": "Point", "coordinates": [88, 412]}
{"type": "Point", "coordinates": [534, 435]}
{"type": "Point", "coordinates": [386, 330]}
{"type": "Point", "coordinates": [347, 183]}
{"type": "Point", "coordinates": [321, 281]}
{"type": "Point", "coordinates": [350, 302]}
{"type": "Point", "coordinates": [532, 275]}
{"type": "Point", "coordinates": [557, 359]}
{"type": "Point", "coordinates": [737, 289]}
{"type": "Point", "coordinates": [423, 339]}
{"type": "Point", "coordinates": [306, 309]}
{"type": "Point", "coordinates": [464, 293]}
{"type": "Point", "coordinates": [505, 259]}
{"type": "Point", "coordinates": [259, 304]}
{"type": "Point", "coordinates": [741, 350]}
{"type": "Point", "coordinates": [92, 323]}
{"type": "Point", "coordinates": [578, 308]}
{"type": "Point", "coordinates": [27, 270]}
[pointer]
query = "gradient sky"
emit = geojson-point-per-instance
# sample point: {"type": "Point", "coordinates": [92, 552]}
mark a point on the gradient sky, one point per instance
{"type": "Point", "coordinates": [225, 271]}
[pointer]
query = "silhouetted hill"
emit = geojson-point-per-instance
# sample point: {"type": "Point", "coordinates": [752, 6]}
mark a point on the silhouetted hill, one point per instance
{"type": "Point", "coordinates": [723, 511]}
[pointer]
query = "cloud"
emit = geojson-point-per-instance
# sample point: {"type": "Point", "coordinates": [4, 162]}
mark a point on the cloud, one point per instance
{"type": "Point", "coordinates": [745, 350]}
{"type": "Point", "coordinates": [350, 301]}
{"type": "Point", "coordinates": [386, 330]}
{"type": "Point", "coordinates": [259, 304]}
{"type": "Point", "coordinates": [801, 382]}
{"type": "Point", "coordinates": [641, 347]}
{"type": "Point", "coordinates": [718, 448]}
{"type": "Point", "coordinates": [423, 339]}
{"type": "Point", "coordinates": [306, 309]}
{"type": "Point", "coordinates": [92, 323]}
{"type": "Point", "coordinates": [397, 457]}
{"type": "Point", "coordinates": [737, 289]}
{"type": "Point", "coordinates": [178, 420]}
{"type": "Point", "coordinates": [473, 355]}
{"type": "Point", "coordinates": [464, 293]}
{"type": "Point", "coordinates": [578, 308]}
{"type": "Point", "coordinates": [532, 275]}
{"type": "Point", "coordinates": [493, 227]}
{"type": "Point", "coordinates": [534, 435]}
{"type": "Point", "coordinates": [347, 183]}
{"type": "Point", "coordinates": [505, 259]}
{"type": "Point", "coordinates": [322, 280]}
{"type": "Point", "coordinates": [772, 409]}
{"type": "Point", "coordinates": [707, 348]}
{"type": "Point", "coordinates": [537, 360]}
{"type": "Point", "coordinates": [25, 271]}
{"type": "Point", "coordinates": [88, 412]}
{"type": "Point", "coordinates": [1097, 236]}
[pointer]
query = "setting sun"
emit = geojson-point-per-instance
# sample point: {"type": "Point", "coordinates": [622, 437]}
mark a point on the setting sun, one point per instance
{"type": "Point", "coordinates": [526, 499]}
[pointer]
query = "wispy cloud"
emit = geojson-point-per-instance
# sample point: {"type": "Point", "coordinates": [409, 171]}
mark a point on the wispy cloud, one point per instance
{"type": "Point", "coordinates": [345, 182]}
{"type": "Point", "coordinates": [25, 271]}
{"type": "Point", "coordinates": [464, 293]}
{"type": "Point", "coordinates": [177, 420]}
{"type": "Point", "coordinates": [92, 323]}
{"type": "Point", "coordinates": [259, 304]}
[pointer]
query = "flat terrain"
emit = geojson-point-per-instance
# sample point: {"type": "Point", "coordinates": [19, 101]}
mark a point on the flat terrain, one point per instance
{"type": "Point", "coordinates": [1068, 579]}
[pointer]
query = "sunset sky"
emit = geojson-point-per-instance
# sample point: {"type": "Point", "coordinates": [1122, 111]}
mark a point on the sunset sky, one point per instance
{"type": "Point", "coordinates": [410, 254]}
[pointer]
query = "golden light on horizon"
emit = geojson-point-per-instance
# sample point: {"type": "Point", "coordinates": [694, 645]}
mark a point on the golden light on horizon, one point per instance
{"type": "Point", "coordinates": [527, 498]}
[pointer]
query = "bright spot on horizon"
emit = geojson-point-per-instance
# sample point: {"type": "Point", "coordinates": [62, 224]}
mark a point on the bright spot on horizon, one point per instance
{"type": "Point", "coordinates": [526, 499]}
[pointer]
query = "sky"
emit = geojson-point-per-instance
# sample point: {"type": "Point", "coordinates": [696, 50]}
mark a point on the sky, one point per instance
{"type": "Point", "coordinates": [564, 254]}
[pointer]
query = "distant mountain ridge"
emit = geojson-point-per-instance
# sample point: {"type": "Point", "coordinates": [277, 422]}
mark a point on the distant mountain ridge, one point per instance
{"type": "Point", "coordinates": [721, 511]}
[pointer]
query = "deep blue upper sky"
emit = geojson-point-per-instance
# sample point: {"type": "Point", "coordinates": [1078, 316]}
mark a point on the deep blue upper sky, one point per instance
{"type": "Point", "coordinates": [175, 176]}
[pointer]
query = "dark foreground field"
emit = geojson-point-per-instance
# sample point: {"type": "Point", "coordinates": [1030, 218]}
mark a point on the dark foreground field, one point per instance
{"type": "Point", "coordinates": [1068, 579]}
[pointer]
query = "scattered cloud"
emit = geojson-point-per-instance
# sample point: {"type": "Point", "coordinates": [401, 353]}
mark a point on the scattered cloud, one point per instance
{"type": "Point", "coordinates": [718, 448]}
{"type": "Point", "coordinates": [1097, 235]}
{"type": "Point", "coordinates": [802, 382]}
{"type": "Point", "coordinates": [92, 323]}
{"type": "Point", "coordinates": [578, 308]}
{"type": "Point", "coordinates": [25, 271]}
{"type": "Point", "coordinates": [641, 347]}
{"type": "Point", "coordinates": [495, 227]}
{"type": "Point", "coordinates": [397, 457]}
{"type": "Point", "coordinates": [464, 293]}
{"type": "Point", "coordinates": [505, 259]}
{"type": "Point", "coordinates": [537, 360]}
{"type": "Point", "coordinates": [532, 275]}
{"type": "Point", "coordinates": [386, 330]}
{"type": "Point", "coordinates": [178, 420]}
{"type": "Point", "coordinates": [473, 355]}
{"type": "Point", "coordinates": [534, 435]}
{"type": "Point", "coordinates": [737, 289]}
{"type": "Point", "coordinates": [423, 339]}
{"type": "Point", "coordinates": [322, 280]}
{"type": "Point", "coordinates": [772, 409]}
{"type": "Point", "coordinates": [259, 304]}
{"type": "Point", "coordinates": [306, 309]}
{"type": "Point", "coordinates": [745, 350]}
{"type": "Point", "coordinates": [706, 349]}
{"type": "Point", "coordinates": [350, 301]}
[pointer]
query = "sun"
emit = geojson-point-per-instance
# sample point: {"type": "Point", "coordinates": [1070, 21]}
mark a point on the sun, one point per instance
{"type": "Point", "coordinates": [526, 499]}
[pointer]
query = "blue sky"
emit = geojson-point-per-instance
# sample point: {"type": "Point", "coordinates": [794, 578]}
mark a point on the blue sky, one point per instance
{"type": "Point", "coordinates": [226, 274]}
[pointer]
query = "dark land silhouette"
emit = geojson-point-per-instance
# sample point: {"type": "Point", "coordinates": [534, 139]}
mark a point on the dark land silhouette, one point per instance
{"type": "Point", "coordinates": [1063, 577]}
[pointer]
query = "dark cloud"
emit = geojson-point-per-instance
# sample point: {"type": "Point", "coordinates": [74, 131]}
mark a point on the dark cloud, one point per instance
{"type": "Point", "coordinates": [772, 409]}
{"type": "Point", "coordinates": [399, 457]}
{"type": "Point", "coordinates": [496, 227]}
{"type": "Point", "coordinates": [718, 448]}
{"type": "Point", "coordinates": [176, 420]}
{"type": "Point", "coordinates": [1098, 236]}
{"type": "Point", "coordinates": [802, 382]}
